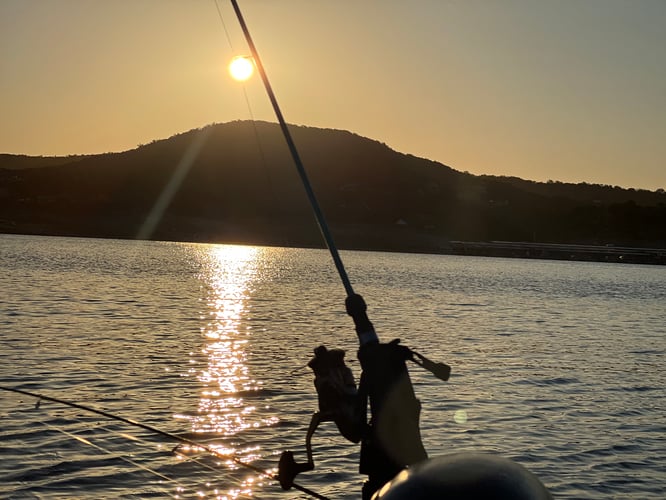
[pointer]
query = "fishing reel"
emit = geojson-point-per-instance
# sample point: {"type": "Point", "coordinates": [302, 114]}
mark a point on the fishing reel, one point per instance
{"type": "Point", "coordinates": [340, 400]}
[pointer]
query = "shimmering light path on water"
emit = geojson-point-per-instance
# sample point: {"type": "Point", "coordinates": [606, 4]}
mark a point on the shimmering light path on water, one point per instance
{"type": "Point", "coordinates": [558, 365]}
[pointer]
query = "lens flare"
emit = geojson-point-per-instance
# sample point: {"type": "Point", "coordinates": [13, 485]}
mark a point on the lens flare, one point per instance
{"type": "Point", "coordinates": [460, 416]}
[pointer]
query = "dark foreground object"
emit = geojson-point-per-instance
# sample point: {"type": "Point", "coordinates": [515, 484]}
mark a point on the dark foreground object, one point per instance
{"type": "Point", "coordinates": [465, 476]}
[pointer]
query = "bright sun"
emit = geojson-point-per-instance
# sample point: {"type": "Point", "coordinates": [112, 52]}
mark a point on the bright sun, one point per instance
{"type": "Point", "coordinates": [241, 68]}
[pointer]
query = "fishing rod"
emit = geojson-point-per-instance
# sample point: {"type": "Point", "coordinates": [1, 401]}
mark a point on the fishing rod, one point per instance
{"type": "Point", "coordinates": [391, 440]}
{"type": "Point", "coordinates": [159, 432]}
{"type": "Point", "coordinates": [385, 382]}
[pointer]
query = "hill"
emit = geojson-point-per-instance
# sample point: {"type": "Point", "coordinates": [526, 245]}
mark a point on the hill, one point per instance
{"type": "Point", "coordinates": [235, 182]}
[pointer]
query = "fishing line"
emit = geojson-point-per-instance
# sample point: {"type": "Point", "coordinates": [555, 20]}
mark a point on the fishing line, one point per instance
{"type": "Point", "coordinates": [319, 215]}
{"type": "Point", "coordinates": [160, 432]}
{"type": "Point", "coordinates": [183, 456]}
{"type": "Point", "coordinates": [249, 108]}
{"type": "Point", "coordinates": [149, 444]}
{"type": "Point", "coordinates": [224, 26]}
{"type": "Point", "coordinates": [136, 439]}
{"type": "Point", "coordinates": [108, 451]}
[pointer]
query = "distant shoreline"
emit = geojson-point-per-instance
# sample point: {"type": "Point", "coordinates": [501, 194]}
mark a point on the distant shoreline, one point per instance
{"type": "Point", "coordinates": [553, 251]}
{"type": "Point", "coordinates": [374, 198]}
{"type": "Point", "coordinates": [497, 249]}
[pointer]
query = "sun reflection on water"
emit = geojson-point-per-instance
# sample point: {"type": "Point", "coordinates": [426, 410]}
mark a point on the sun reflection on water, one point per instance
{"type": "Point", "coordinates": [228, 274]}
{"type": "Point", "coordinates": [221, 408]}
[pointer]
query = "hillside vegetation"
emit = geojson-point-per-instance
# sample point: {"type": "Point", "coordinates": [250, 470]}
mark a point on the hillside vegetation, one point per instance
{"type": "Point", "coordinates": [235, 182]}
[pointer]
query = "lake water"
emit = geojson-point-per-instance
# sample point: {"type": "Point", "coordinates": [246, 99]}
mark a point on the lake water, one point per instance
{"type": "Point", "coordinates": [557, 365]}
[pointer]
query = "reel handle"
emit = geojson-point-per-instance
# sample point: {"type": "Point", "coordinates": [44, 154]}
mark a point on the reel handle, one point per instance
{"type": "Point", "coordinates": [440, 370]}
{"type": "Point", "coordinates": [288, 469]}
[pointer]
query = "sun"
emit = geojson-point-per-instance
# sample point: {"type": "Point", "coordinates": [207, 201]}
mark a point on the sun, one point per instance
{"type": "Point", "coordinates": [241, 68]}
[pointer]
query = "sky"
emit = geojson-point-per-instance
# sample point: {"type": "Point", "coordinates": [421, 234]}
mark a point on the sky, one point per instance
{"type": "Point", "coordinates": [562, 90]}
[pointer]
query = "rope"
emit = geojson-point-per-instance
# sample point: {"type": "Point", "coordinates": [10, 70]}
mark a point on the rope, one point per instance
{"type": "Point", "coordinates": [160, 432]}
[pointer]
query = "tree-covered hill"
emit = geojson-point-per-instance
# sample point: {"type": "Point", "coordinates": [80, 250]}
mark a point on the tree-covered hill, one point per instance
{"type": "Point", "coordinates": [235, 182]}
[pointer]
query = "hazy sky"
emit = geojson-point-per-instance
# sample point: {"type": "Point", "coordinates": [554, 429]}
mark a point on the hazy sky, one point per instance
{"type": "Point", "coordinates": [570, 90]}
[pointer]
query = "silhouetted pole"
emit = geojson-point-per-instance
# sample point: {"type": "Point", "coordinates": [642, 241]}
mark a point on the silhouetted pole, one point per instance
{"type": "Point", "coordinates": [394, 439]}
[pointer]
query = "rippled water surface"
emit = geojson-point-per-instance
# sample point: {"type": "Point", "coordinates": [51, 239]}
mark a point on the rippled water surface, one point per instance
{"type": "Point", "coordinates": [557, 365]}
